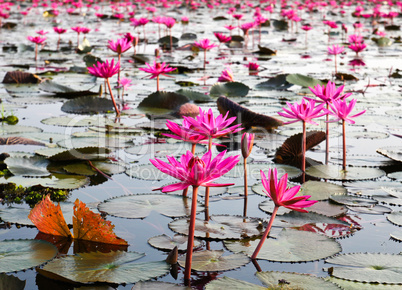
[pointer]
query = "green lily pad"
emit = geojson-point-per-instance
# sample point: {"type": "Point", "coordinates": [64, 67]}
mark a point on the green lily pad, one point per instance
{"type": "Point", "coordinates": [395, 218]}
{"type": "Point", "coordinates": [320, 190]}
{"type": "Point", "coordinates": [368, 135]}
{"type": "Point", "coordinates": [353, 200]}
{"type": "Point", "coordinates": [146, 172]}
{"type": "Point", "coordinates": [116, 129]}
{"type": "Point", "coordinates": [394, 152]}
{"type": "Point", "coordinates": [13, 129]}
{"type": "Point", "coordinates": [356, 160]}
{"type": "Point", "coordinates": [302, 80]}
{"type": "Point", "coordinates": [229, 89]}
{"type": "Point", "coordinates": [366, 186]}
{"type": "Point", "coordinates": [395, 175]}
{"type": "Point", "coordinates": [162, 150]}
{"type": "Point", "coordinates": [233, 284]}
{"type": "Point", "coordinates": [336, 173]}
{"type": "Point", "coordinates": [104, 142]}
{"type": "Point", "coordinates": [297, 219]}
{"type": "Point", "coordinates": [11, 282]}
{"type": "Point", "coordinates": [383, 41]}
{"type": "Point", "coordinates": [28, 166]}
{"type": "Point", "coordinates": [157, 285]}
{"type": "Point", "coordinates": [289, 246]}
{"type": "Point", "coordinates": [141, 205]}
{"type": "Point", "coordinates": [63, 91]}
{"type": "Point", "coordinates": [88, 105]}
{"type": "Point", "coordinates": [78, 121]}
{"type": "Point", "coordinates": [388, 199]}
{"type": "Point", "coordinates": [213, 261]}
{"type": "Point", "coordinates": [278, 82]}
{"type": "Point", "coordinates": [294, 281]}
{"type": "Point", "coordinates": [197, 97]}
{"type": "Point", "coordinates": [85, 169]}
{"type": "Point", "coordinates": [163, 100]}
{"type": "Point", "coordinates": [254, 170]}
{"type": "Point", "coordinates": [19, 215]}
{"type": "Point", "coordinates": [166, 243]}
{"type": "Point", "coordinates": [113, 267]}
{"type": "Point", "coordinates": [57, 181]}
{"type": "Point", "coordinates": [352, 285]}
{"type": "Point", "coordinates": [377, 209]}
{"type": "Point", "coordinates": [84, 153]}
{"type": "Point", "coordinates": [368, 267]}
{"type": "Point", "coordinates": [17, 255]}
{"type": "Point", "coordinates": [220, 227]}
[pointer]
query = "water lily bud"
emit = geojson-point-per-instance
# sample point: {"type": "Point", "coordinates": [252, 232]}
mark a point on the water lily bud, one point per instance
{"type": "Point", "coordinates": [247, 142]}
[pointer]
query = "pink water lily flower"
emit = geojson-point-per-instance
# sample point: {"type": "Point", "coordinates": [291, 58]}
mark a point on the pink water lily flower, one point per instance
{"type": "Point", "coordinates": [183, 132]}
{"type": "Point", "coordinates": [328, 93]}
{"type": "Point", "coordinates": [37, 40]}
{"type": "Point", "coordinates": [226, 76]}
{"type": "Point", "coordinates": [206, 124]}
{"type": "Point", "coordinates": [120, 45]}
{"type": "Point", "coordinates": [354, 38]}
{"type": "Point", "coordinates": [341, 110]}
{"type": "Point", "coordinates": [205, 45]}
{"type": "Point", "coordinates": [335, 49]}
{"type": "Point", "coordinates": [304, 112]}
{"type": "Point", "coordinates": [222, 38]}
{"type": "Point", "coordinates": [194, 171]}
{"type": "Point", "coordinates": [281, 196]}
{"type": "Point", "coordinates": [156, 70]}
{"type": "Point", "coordinates": [357, 47]}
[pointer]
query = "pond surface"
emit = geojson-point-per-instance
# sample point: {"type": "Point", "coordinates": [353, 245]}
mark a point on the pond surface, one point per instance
{"type": "Point", "coordinates": [374, 89]}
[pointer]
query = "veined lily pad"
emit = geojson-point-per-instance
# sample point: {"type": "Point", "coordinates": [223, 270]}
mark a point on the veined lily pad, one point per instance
{"type": "Point", "coordinates": [18, 215]}
{"type": "Point", "coordinates": [254, 170]}
{"type": "Point", "coordinates": [220, 227]}
{"type": "Point", "coordinates": [336, 172]}
{"type": "Point", "coordinates": [296, 219]}
{"type": "Point", "coordinates": [88, 105]}
{"type": "Point", "coordinates": [78, 121]}
{"type": "Point", "coordinates": [114, 267]}
{"type": "Point", "coordinates": [104, 142]}
{"type": "Point", "coordinates": [17, 255]}
{"type": "Point", "coordinates": [388, 199]}
{"type": "Point", "coordinates": [395, 218]}
{"type": "Point", "coordinates": [213, 261]}
{"type": "Point", "coordinates": [164, 242]}
{"type": "Point", "coordinates": [353, 200]}
{"type": "Point", "coordinates": [289, 246]}
{"type": "Point", "coordinates": [233, 284]}
{"type": "Point", "coordinates": [377, 209]}
{"type": "Point", "coordinates": [197, 97]}
{"type": "Point", "coordinates": [321, 190]}
{"type": "Point", "coordinates": [13, 129]}
{"type": "Point", "coordinates": [367, 135]}
{"type": "Point", "coordinates": [352, 285]}
{"type": "Point", "coordinates": [141, 205]}
{"type": "Point", "coordinates": [278, 82]}
{"type": "Point", "coordinates": [146, 172]}
{"type": "Point", "coordinates": [163, 100]}
{"type": "Point", "coordinates": [11, 282]}
{"type": "Point", "coordinates": [395, 175]}
{"type": "Point", "coordinates": [230, 89]}
{"type": "Point", "coordinates": [363, 160]}
{"type": "Point", "coordinates": [84, 153]}
{"type": "Point", "coordinates": [162, 150]}
{"type": "Point", "coordinates": [84, 168]}
{"type": "Point", "coordinates": [28, 166]}
{"type": "Point", "coordinates": [63, 91]}
{"type": "Point", "coordinates": [58, 181]}
{"type": "Point", "coordinates": [157, 285]}
{"type": "Point", "coordinates": [395, 152]}
{"type": "Point", "coordinates": [302, 80]}
{"type": "Point", "coordinates": [368, 267]}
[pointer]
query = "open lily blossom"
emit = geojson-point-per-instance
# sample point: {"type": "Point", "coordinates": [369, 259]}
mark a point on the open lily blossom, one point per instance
{"type": "Point", "coordinates": [194, 171]}
{"type": "Point", "coordinates": [305, 112]}
{"type": "Point", "coordinates": [156, 70]}
{"type": "Point", "coordinates": [120, 45]}
{"type": "Point", "coordinates": [341, 110]}
{"type": "Point", "coordinates": [184, 133]}
{"type": "Point", "coordinates": [205, 45]}
{"type": "Point", "coordinates": [281, 195]}
{"type": "Point", "coordinates": [335, 49]}
{"type": "Point", "coordinates": [226, 76]}
{"type": "Point", "coordinates": [328, 93]}
{"type": "Point", "coordinates": [222, 38]}
{"type": "Point", "coordinates": [357, 47]}
{"type": "Point", "coordinates": [37, 40]}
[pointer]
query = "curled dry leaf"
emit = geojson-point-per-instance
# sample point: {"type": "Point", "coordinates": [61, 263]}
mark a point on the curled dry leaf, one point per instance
{"type": "Point", "coordinates": [245, 116]}
{"type": "Point", "coordinates": [19, 77]}
{"type": "Point", "coordinates": [19, 141]}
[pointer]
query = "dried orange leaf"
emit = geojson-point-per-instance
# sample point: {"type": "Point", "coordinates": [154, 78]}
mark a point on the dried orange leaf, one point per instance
{"type": "Point", "coordinates": [49, 219]}
{"type": "Point", "coordinates": [90, 226]}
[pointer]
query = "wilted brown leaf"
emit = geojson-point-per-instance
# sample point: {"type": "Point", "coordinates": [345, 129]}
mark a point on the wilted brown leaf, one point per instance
{"type": "Point", "coordinates": [19, 77]}
{"type": "Point", "coordinates": [19, 141]}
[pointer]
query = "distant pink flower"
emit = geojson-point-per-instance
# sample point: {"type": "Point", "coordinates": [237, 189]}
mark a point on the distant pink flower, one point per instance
{"type": "Point", "coordinates": [246, 27]}
{"type": "Point", "coordinates": [357, 47]}
{"type": "Point", "coordinates": [124, 83]}
{"type": "Point", "coordinates": [205, 44]}
{"type": "Point", "coordinates": [120, 45]}
{"type": "Point", "coordinates": [156, 70]}
{"type": "Point", "coordinates": [229, 27]}
{"type": "Point", "coordinates": [184, 20]}
{"type": "Point", "coordinates": [238, 16]}
{"type": "Point", "coordinates": [226, 76]}
{"type": "Point", "coordinates": [354, 38]}
{"type": "Point", "coordinates": [59, 30]}
{"type": "Point", "coordinates": [169, 22]}
{"type": "Point", "coordinates": [331, 24]}
{"type": "Point", "coordinates": [335, 49]}
{"type": "Point", "coordinates": [357, 25]}
{"type": "Point", "coordinates": [253, 66]}
{"type": "Point", "coordinates": [42, 32]}
{"type": "Point", "coordinates": [222, 38]}
{"type": "Point", "coordinates": [380, 33]}
{"type": "Point", "coordinates": [36, 39]}
{"type": "Point", "coordinates": [306, 27]}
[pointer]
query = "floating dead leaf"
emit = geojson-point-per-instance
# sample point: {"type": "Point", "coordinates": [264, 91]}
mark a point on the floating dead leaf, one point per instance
{"type": "Point", "coordinates": [291, 150]}
{"type": "Point", "coordinates": [246, 117]}
{"type": "Point", "coordinates": [345, 77]}
{"type": "Point", "coordinates": [19, 77]}
{"type": "Point", "coordinates": [265, 50]}
{"type": "Point", "coordinates": [19, 141]}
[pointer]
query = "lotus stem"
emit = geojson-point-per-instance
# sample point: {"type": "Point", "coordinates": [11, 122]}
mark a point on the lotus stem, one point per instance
{"type": "Point", "coordinates": [327, 137]}
{"type": "Point", "coordinates": [118, 73]}
{"type": "Point", "coordinates": [344, 145]}
{"type": "Point", "coordinates": [171, 41]}
{"type": "Point", "coordinates": [205, 58]}
{"type": "Point", "coordinates": [190, 241]}
{"type": "Point", "coordinates": [157, 83]}
{"type": "Point", "coordinates": [336, 71]}
{"type": "Point", "coordinates": [78, 39]}
{"type": "Point", "coordinates": [185, 191]}
{"type": "Point", "coordinates": [265, 235]}
{"type": "Point", "coordinates": [36, 52]}
{"type": "Point", "coordinates": [111, 95]}
{"type": "Point", "coordinates": [245, 188]}
{"type": "Point", "coordinates": [304, 148]}
{"type": "Point", "coordinates": [207, 188]}
{"type": "Point", "coordinates": [58, 43]}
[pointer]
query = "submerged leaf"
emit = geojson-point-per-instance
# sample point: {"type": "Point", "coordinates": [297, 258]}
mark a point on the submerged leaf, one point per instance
{"type": "Point", "coordinates": [265, 50]}
{"type": "Point", "coordinates": [28, 166]}
{"type": "Point", "coordinates": [63, 91]}
{"type": "Point", "coordinates": [17, 255]}
{"type": "Point", "coordinates": [231, 283]}
{"type": "Point", "coordinates": [351, 173]}
{"type": "Point", "coordinates": [302, 80]}
{"type": "Point", "coordinates": [246, 117]}
{"type": "Point", "coordinates": [163, 100]}
{"type": "Point", "coordinates": [278, 82]}
{"type": "Point", "coordinates": [88, 105]}
{"type": "Point", "coordinates": [114, 267]}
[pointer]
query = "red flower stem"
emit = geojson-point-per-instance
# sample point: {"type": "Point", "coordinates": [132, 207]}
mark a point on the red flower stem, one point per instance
{"type": "Point", "coordinates": [190, 241]}
{"type": "Point", "coordinates": [171, 41]}
{"type": "Point", "coordinates": [58, 43]}
{"type": "Point", "coordinates": [245, 188]}
{"type": "Point", "coordinates": [265, 235]}
{"type": "Point", "coordinates": [344, 145]}
{"type": "Point", "coordinates": [304, 148]}
{"type": "Point", "coordinates": [118, 73]}
{"type": "Point", "coordinates": [157, 83]}
{"type": "Point", "coordinates": [78, 39]}
{"type": "Point", "coordinates": [336, 71]}
{"type": "Point", "coordinates": [327, 137]}
{"type": "Point", "coordinates": [193, 152]}
{"type": "Point", "coordinates": [205, 58]}
{"type": "Point", "coordinates": [111, 95]}
{"type": "Point", "coordinates": [36, 52]}
{"type": "Point", "coordinates": [207, 188]}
